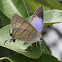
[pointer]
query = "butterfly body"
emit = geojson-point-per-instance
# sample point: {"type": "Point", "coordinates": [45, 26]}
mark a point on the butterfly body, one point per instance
{"type": "Point", "coordinates": [27, 31]}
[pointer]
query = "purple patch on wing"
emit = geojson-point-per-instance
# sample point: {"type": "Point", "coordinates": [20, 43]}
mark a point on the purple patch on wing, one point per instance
{"type": "Point", "coordinates": [37, 23]}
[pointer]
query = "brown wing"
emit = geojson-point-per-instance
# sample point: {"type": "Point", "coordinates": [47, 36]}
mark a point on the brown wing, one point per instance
{"type": "Point", "coordinates": [22, 30]}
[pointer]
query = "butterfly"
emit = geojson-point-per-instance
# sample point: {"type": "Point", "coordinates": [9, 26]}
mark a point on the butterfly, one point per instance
{"type": "Point", "coordinates": [27, 31]}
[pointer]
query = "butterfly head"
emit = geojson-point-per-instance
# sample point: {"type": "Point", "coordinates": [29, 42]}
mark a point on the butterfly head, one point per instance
{"type": "Point", "coordinates": [11, 37]}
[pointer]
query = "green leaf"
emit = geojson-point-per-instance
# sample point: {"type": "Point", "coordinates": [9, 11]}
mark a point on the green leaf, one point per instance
{"type": "Point", "coordinates": [23, 8]}
{"type": "Point", "coordinates": [42, 2]}
{"type": "Point", "coordinates": [16, 57]}
{"type": "Point", "coordinates": [11, 7]}
{"type": "Point", "coordinates": [52, 16]}
{"type": "Point", "coordinates": [33, 4]}
{"type": "Point", "coordinates": [48, 58]}
{"type": "Point", "coordinates": [43, 58]}
{"type": "Point", "coordinates": [18, 45]}
{"type": "Point", "coordinates": [32, 52]}
{"type": "Point", "coordinates": [4, 20]}
{"type": "Point", "coordinates": [54, 4]}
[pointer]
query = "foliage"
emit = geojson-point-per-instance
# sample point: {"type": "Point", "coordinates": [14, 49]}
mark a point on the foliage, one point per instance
{"type": "Point", "coordinates": [16, 52]}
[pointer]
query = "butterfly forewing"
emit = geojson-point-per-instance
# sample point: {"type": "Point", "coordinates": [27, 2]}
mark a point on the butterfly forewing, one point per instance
{"type": "Point", "coordinates": [21, 29]}
{"type": "Point", "coordinates": [37, 19]}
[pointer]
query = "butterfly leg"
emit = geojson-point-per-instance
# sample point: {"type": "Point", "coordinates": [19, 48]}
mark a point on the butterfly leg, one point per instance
{"type": "Point", "coordinates": [31, 47]}
{"type": "Point", "coordinates": [36, 45]}
{"type": "Point", "coordinates": [40, 42]}
{"type": "Point", "coordinates": [25, 43]}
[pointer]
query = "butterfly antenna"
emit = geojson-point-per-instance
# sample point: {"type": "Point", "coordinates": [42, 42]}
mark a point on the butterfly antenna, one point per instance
{"type": "Point", "coordinates": [6, 41]}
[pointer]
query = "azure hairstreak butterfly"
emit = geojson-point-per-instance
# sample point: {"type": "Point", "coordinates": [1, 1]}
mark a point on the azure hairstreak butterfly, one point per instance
{"type": "Point", "coordinates": [27, 31]}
